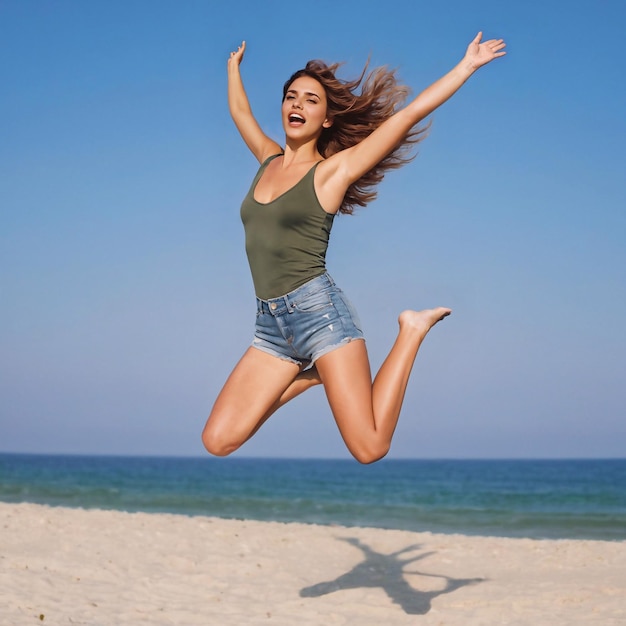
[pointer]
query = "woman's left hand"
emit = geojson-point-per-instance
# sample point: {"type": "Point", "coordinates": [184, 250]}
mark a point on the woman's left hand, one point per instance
{"type": "Point", "coordinates": [479, 54]}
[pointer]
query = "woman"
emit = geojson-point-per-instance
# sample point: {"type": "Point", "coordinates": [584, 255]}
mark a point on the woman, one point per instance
{"type": "Point", "coordinates": [337, 147]}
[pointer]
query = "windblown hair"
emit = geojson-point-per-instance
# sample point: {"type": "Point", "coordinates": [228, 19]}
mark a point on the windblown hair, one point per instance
{"type": "Point", "coordinates": [355, 116]}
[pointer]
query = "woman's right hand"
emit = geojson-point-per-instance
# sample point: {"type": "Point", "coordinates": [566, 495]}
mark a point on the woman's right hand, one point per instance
{"type": "Point", "coordinates": [236, 57]}
{"type": "Point", "coordinates": [259, 143]}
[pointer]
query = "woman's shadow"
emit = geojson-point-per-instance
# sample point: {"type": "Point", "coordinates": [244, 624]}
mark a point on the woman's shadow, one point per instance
{"type": "Point", "coordinates": [387, 572]}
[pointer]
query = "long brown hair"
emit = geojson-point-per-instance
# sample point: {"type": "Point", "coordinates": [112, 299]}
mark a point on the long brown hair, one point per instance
{"type": "Point", "coordinates": [355, 116]}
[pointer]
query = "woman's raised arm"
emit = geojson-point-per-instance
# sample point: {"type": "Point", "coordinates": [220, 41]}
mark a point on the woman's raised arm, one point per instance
{"type": "Point", "coordinates": [259, 143]}
{"type": "Point", "coordinates": [354, 162]}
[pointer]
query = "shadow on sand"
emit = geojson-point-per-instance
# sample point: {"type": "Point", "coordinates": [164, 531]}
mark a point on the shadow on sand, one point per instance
{"type": "Point", "coordinates": [387, 572]}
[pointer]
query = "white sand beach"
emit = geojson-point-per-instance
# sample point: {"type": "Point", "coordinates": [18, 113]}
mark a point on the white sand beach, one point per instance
{"type": "Point", "coordinates": [72, 566]}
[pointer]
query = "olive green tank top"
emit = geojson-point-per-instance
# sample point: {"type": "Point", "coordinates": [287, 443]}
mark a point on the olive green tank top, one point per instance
{"type": "Point", "coordinates": [287, 238]}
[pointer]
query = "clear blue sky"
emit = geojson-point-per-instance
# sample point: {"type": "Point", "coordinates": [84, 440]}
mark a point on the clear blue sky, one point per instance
{"type": "Point", "coordinates": [125, 293]}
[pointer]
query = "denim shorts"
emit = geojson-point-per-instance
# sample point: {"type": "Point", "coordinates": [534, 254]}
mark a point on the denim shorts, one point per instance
{"type": "Point", "coordinates": [306, 323]}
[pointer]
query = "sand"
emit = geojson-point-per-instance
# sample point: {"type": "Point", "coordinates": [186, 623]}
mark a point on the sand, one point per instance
{"type": "Point", "coordinates": [71, 566]}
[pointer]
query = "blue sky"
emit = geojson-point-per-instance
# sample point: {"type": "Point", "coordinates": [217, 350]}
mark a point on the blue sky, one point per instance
{"type": "Point", "coordinates": [125, 294]}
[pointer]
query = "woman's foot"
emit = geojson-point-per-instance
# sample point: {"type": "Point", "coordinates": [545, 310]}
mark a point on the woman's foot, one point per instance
{"type": "Point", "coordinates": [422, 321]}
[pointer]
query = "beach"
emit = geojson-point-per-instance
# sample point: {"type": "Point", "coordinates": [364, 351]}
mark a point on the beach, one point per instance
{"type": "Point", "coordinates": [75, 566]}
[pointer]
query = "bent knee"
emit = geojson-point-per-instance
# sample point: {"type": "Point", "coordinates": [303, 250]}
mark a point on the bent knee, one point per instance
{"type": "Point", "coordinates": [218, 443]}
{"type": "Point", "coordinates": [370, 454]}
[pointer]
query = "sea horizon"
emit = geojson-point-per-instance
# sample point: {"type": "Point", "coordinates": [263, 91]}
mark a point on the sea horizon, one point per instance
{"type": "Point", "coordinates": [564, 498]}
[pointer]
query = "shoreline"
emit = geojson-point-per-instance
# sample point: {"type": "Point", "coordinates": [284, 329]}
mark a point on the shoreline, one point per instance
{"type": "Point", "coordinates": [552, 500]}
{"type": "Point", "coordinates": [94, 566]}
{"type": "Point", "coordinates": [347, 526]}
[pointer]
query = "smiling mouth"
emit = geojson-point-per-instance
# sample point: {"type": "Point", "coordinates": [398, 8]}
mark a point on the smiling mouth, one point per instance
{"type": "Point", "coordinates": [294, 118]}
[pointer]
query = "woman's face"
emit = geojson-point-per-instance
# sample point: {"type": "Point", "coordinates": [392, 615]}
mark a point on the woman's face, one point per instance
{"type": "Point", "coordinates": [304, 108]}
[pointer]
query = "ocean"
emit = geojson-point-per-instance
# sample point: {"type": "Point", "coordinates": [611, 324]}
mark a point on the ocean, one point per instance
{"type": "Point", "coordinates": [563, 499]}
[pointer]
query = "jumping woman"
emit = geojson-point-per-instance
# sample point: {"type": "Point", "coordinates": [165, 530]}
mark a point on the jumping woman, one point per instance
{"type": "Point", "coordinates": [340, 139]}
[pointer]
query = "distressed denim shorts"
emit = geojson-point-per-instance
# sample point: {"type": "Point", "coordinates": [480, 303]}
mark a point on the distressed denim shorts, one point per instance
{"type": "Point", "coordinates": [306, 323]}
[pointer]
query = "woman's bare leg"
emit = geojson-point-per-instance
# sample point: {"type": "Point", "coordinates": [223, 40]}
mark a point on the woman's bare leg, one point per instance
{"type": "Point", "coordinates": [254, 387]}
{"type": "Point", "coordinates": [260, 384]}
{"type": "Point", "coordinates": [367, 413]}
{"type": "Point", "coordinates": [303, 381]}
